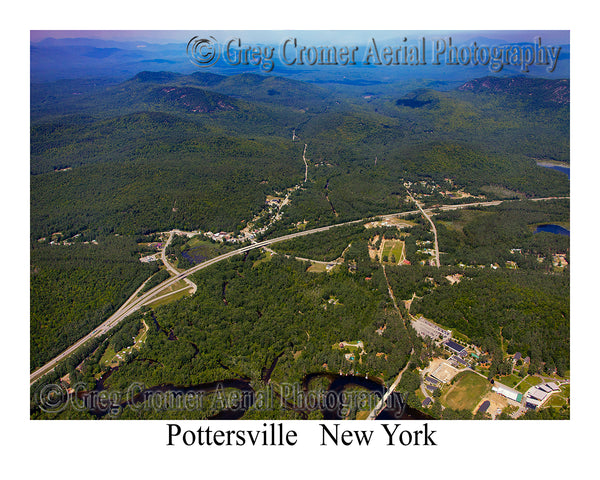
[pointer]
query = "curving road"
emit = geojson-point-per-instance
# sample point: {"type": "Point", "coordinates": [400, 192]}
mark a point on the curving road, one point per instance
{"type": "Point", "coordinates": [134, 303]}
{"type": "Point", "coordinates": [171, 268]}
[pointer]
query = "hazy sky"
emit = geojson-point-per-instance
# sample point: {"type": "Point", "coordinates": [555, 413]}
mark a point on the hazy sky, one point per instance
{"type": "Point", "coordinates": [268, 36]}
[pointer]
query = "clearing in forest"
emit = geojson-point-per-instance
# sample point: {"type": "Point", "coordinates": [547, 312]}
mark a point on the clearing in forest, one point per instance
{"type": "Point", "coordinates": [393, 252]}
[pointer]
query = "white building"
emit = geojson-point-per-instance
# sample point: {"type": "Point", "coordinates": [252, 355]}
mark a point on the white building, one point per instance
{"type": "Point", "coordinates": [508, 392]}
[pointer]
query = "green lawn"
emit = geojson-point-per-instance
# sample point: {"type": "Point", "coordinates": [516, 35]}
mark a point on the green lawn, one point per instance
{"type": "Point", "coordinates": [528, 383]}
{"type": "Point", "coordinates": [317, 268]}
{"type": "Point", "coordinates": [467, 391]}
{"type": "Point", "coordinates": [560, 398]}
{"type": "Point", "coordinates": [266, 258]}
{"type": "Point", "coordinates": [197, 241]}
{"type": "Point", "coordinates": [510, 380]}
{"type": "Point", "coordinates": [556, 400]}
{"type": "Point", "coordinates": [395, 248]}
{"type": "Point", "coordinates": [171, 298]}
{"type": "Point", "coordinates": [108, 355]}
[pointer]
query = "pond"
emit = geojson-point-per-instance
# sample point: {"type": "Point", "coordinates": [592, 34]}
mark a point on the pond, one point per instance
{"type": "Point", "coordinates": [560, 168]}
{"type": "Point", "coordinates": [551, 228]}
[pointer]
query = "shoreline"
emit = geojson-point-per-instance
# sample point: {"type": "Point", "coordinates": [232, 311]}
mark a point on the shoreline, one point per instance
{"type": "Point", "coordinates": [552, 163]}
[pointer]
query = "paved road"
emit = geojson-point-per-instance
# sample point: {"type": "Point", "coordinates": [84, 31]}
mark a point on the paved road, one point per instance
{"type": "Point", "coordinates": [171, 268]}
{"type": "Point", "coordinates": [435, 237]}
{"type": "Point", "coordinates": [381, 405]}
{"type": "Point", "coordinates": [382, 402]}
{"type": "Point", "coordinates": [134, 303]}
{"type": "Point", "coordinates": [305, 164]}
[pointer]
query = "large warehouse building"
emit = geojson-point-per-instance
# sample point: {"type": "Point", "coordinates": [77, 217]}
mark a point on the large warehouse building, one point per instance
{"type": "Point", "coordinates": [508, 392]}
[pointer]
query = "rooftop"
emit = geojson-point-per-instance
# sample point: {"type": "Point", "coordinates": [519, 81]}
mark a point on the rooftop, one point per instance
{"type": "Point", "coordinates": [454, 346]}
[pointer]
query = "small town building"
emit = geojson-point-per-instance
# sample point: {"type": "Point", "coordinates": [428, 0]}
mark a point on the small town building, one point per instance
{"type": "Point", "coordinates": [553, 386]}
{"type": "Point", "coordinates": [507, 392]}
{"type": "Point", "coordinates": [455, 348]}
{"type": "Point", "coordinates": [537, 394]}
{"type": "Point", "coordinates": [432, 389]}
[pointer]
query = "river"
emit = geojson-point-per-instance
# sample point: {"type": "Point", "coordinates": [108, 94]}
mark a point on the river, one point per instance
{"type": "Point", "coordinates": [332, 404]}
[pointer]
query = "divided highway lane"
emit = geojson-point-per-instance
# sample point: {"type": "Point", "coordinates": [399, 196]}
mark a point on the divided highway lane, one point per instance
{"type": "Point", "coordinates": [135, 303]}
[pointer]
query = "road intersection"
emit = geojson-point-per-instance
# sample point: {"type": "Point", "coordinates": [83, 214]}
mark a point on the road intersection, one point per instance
{"type": "Point", "coordinates": [135, 302]}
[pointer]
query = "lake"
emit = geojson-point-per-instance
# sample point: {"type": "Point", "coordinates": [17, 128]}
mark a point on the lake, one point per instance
{"type": "Point", "coordinates": [566, 170]}
{"type": "Point", "coordinates": [551, 228]}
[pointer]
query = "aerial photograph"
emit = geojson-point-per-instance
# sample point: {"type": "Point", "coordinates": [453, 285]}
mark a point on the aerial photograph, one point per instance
{"type": "Point", "coordinates": [299, 225]}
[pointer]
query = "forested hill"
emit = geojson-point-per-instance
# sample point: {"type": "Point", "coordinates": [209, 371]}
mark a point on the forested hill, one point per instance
{"type": "Point", "coordinates": [166, 150]}
{"type": "Point", "coordinates": [147, 89]}
{"type": "Point", "coordinates": [542, 91]}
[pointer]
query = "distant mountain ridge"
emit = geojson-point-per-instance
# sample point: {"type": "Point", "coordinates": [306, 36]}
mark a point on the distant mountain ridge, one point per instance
{"type": "Point", "coordinates": [540, 89]}
{"type": "Point", "coordinates": [249, 86]}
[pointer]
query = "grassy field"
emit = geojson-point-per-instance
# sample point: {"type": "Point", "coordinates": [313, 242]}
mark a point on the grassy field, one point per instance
{"type": "Point", "coordinates": [393, 248]}
{"type": "Point", "coordinates": [169, 299]}
{"type": "Point", "coordinates": [198, 241]}
{"type": "Point", "coordinates": [267, 258]}
{"type": "Point", "coordinates": [465, 217]}
{"type": "Point", "coordinates": [317, 268]}
{"type": "Point", "coordinates": [559, 399]}
{"type": "Point", "coordinates": [108, 355]}
{"type": "Point", "coordinates": [528, 383]}
{"type": "Point", "coordinates": [556, 401]}
{"type": "Point", "coordinates": [510, 380]}
{"type": "Point", "coordinates": [466, 392]}
{"type": "Point", "coordinates": [179, 285]}
{"type": "Point", "coordinates": [200, 250]}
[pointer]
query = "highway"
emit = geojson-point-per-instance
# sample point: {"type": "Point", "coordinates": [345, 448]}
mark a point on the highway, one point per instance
{"type": "Point", "coordinates": [171, 268]}
{"type": "Point", "coordinates": [134, 303]}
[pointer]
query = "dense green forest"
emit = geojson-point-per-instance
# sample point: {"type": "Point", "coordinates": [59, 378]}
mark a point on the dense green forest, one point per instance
{"type": "Point", "coordinates": [114, 164]}
{"type": "Point", "coordinates": [503, 312]}
{"type": "Point", "coordinates": [501, 234]}
{"type": "Point", "coordinates": [213, 184]}
{"type": "Point", "coordinates": [76, 287]}
{"type": "Point", "coordinates": [242, 316]}
{"type": "Point", "coordinates": [175, 153]}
